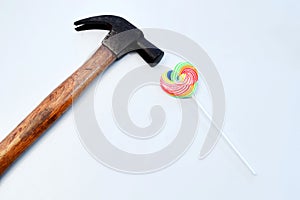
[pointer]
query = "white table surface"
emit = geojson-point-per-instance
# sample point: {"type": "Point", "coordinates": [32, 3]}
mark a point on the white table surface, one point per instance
{"type": "Point", "coordinates": [255, 47]}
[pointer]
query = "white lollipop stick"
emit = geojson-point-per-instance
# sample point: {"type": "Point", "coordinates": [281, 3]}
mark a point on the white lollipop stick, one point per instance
{"type": "Point", "coordinates": [238, 153]}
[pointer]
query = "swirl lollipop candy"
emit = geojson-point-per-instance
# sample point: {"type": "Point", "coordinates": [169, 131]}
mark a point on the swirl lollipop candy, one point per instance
{"type": "Point", "coordinates": [182, 82]}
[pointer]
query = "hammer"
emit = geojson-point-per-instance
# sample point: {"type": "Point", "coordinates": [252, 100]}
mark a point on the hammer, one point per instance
{"type": "Point", "coordinates": [122, 38]}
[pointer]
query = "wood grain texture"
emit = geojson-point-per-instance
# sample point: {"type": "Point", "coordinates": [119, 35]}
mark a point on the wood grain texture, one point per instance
{"type": "Point", "coordinates": [52, 107]}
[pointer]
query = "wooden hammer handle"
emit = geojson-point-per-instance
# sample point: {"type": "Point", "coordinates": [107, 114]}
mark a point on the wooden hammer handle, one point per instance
{"type": "Point", "coordinates": [51, 108]}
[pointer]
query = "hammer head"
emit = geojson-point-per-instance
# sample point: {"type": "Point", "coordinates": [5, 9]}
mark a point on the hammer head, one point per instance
{"type": "Point", "coordinates": [123, 37]}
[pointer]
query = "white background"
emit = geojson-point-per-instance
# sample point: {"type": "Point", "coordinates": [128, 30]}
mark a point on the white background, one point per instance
{"type": "Point", "coordinates": [255, 46]}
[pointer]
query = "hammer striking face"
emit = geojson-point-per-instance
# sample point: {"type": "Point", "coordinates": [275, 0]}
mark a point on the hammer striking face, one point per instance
{"type": "Point", "coordinates": [122, 39]}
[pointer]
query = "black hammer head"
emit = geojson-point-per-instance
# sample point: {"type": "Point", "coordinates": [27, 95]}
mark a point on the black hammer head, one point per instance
{"type": "Point", "coordinates": [122, 38]}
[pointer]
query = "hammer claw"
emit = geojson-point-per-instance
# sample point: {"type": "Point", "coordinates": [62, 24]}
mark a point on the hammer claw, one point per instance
{"type": "Point", "coordinates": [85, 27]}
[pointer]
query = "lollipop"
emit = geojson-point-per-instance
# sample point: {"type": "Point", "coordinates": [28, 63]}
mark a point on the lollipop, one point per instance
{"type": "Point", "coordinates": [182, 82]}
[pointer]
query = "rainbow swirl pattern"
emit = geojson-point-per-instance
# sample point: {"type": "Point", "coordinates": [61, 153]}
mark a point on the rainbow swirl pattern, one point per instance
{"type": "Point", "coordinates": [181, 82]}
